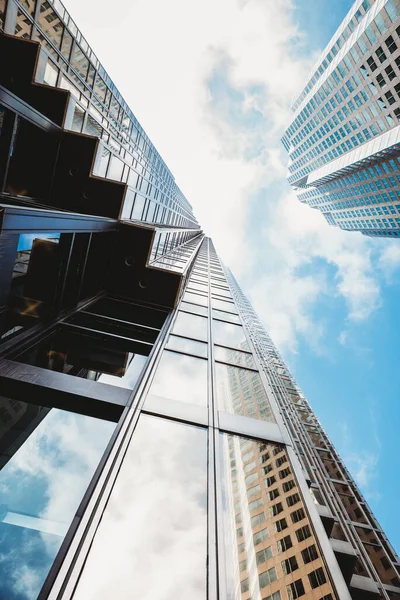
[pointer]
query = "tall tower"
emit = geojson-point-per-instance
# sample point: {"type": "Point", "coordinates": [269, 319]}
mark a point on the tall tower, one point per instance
{"type": "Point", "coordinates": [153, 443]}
{"type": "Point", "coordinates": [344, 137]}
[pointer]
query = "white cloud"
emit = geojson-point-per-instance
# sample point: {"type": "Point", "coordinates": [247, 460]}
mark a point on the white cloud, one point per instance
{"type": "Point", "coordinates": [298, 237]}
{"type": "Point", "coordinates": [164, 70]}
{"type": "Point", "coordinates": [211, 83]}
{"type": "Point", "coordinates": [389, 260]}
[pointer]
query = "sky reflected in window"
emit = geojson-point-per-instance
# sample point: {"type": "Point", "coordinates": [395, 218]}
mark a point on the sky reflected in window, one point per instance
{"type": "Point", "coordinates": [41, 486]}
{"type": "Point", "coordinates": [159, 544]}
{"type": "Point", "coordinates": [182, 378]}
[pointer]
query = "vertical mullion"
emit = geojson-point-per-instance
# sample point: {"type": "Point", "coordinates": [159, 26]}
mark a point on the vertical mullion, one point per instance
{"type": "Point", "coordinates": [9, 133]}
{"type": "Point", "coordinates": [212, 572]}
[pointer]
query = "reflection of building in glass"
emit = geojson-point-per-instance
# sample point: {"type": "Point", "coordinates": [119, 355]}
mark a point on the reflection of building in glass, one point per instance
{"type": "Point", "coordinates": [343, 141]}
{"type": "Point", "coordinates": [144, 408]}
{"type": "Point", "coordinates": [270, 533]}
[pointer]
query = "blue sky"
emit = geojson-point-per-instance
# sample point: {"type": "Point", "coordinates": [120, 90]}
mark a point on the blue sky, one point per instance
{"type": "Point", "coordinates": [213, 91]}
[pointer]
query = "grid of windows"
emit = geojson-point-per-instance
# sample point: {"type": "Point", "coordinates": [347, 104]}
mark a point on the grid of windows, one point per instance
{"type": "Point", "coordinates": [354, 99]}
{"type": "Point", "coordinates": [126, 153]}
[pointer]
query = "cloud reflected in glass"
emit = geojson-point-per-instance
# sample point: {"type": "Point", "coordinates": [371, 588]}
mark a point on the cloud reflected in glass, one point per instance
{"type": "Point", "coordinates": [41, 486]}
{"type": "Point", "coordinates": [182, 378]}
{"type": "Point", "coordinates": [151, 542]}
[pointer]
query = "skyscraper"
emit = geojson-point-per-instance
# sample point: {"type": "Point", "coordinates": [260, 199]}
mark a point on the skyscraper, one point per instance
{"type": "Point", "coordinates": [153, 443]}
{"type": "Point", "coordinates": [344, 138]}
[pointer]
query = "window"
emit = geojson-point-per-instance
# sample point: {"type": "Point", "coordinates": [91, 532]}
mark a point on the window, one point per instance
{"type": "Point", "coordinates": [66, 44]}
{"type": "Point", "coordinates": [240, 391]}
{"type": "Point", "coordinates": [263, 555]}
{"type": "Point", "coordinates": [23, 26]}
{"type": "Point", "coordinates": [243, 565]}
{"type": "Point", "coordinates": [80, 62]}
{"type": "Point", "coordinates": [380, 54]}
{"type": "Point", "coordinates": [381, 80]}
{"type": "Point", "coordinates": [182, 378]}
{"type": "Point", "coordinates": [298, 515]}
{"type": "Point", "coordinates": [52, 490]}
{"type": "Point", "coordinates": [273, 494]}
{"type": "Point", "coordinates": [317, 578]}
{"type": "Point", "coordinates": [289, 565]}
{"type": "Point", "coordinates": [267, 577]}
{"type": "Point", "coordinates": [309, 554]}
{"type": "Point", "coordinates": [284, 544]}
{"type": "Point", "coordinates": [270, 481]}
{"type": "Point", "coordinates": [257, 519]}
{"type": "Point", "coordinates": [243, 359]}
{"type": "Point", "coordinates": [303, 533]}
{"type": "Point", "coordinates": [293, 499]}
{"type": "Point", "coordinates": [50, 77]}
{"type": "Point", "coordinates": [228, 334]}
{"type": "Point", "coordinates": [390, 98]}
{"type": "Point", "coordinates": [50, 24]}
{"type": "Point", "coordinates": [244, 586]}
{"type": "Point", "coordinates": [276, 509]}
{"type": "Point", "coordinates": [280, 525]}
{"type": "Point", "coordinates": [251, 478]}
{"type": "Point", "coordinates": [276, 596]}
{"type": "Point", "coordinates": [253, 491]}
{"type": "Point", "coordinates": [284, 473]}
{"type": "Point", "coordinates": [371, 63]}
{"type": "Point", "coordinates": [192, 326]}
{"type": "Point", "coordinates": [185, 345]}
{"type": "Point", "coordinates": [391, 44]}
{"type": "Point", "coordinates": [256, 504]}
{"type": "Point", "coordinates": [288, 485]}
{"type": "Point", "coordinates": [390, 72]}
{"type": "Point", "coordinates": [295, 590]}
{"type": "Point", "coordinates": [280, 461]}
{"type": "Point", "coordinates": [260, 536]}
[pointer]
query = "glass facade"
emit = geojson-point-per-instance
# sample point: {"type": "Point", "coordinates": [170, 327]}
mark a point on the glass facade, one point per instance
{"type": "Point", "coordinates": [153, 443]}
{"type": "Point", "coordinates": [344, 131]}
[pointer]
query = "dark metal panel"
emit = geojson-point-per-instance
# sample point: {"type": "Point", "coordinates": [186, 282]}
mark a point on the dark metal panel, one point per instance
{"type": "Point", "coordinates": [17, 105]}
{"type": "Point", "coordinates": [21, 219]}
{"type": "Point", "coordinates": [17, 75]}
{"type": "Point", "coordinates": [49, 388]}
{"type": "Point", "coordinates": [75, 188]}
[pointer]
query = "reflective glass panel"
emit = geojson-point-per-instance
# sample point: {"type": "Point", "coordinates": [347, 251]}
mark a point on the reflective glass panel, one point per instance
{"type": "Point", "coordinates": [182, 378]}
{"type": "Point", "coordinates": [191, 326]}
{"type": "Point", "coordinates": [196, 299]}
{"type": "Point", "coordinates": [227, 334]}
{"type": "Point", "coordinates": [185, 345]}
{"type": "Point", "coordinates": [219, 314]}
{"type": "Point", "coordinates": [222, 305]}
{"type": "Point", "coordinates": [241, 392]}
{"type": "Point", "coordinates": [151, 542]}
{"type": "Point", "coordinates": [261, 549]}
{"type": "Point", "coordinates": [198, 286]}
{"type": "Point", "coordinates": [23, 26]}
{"type": "Point", "coordinates": [194, 308]}
{"type": "Point", "coordinates": [47, 459]}
{"type": "Point", "coordinates": [236, 357]}
{"type": "Point", "coordinates": [36, 261]}
{"type": "Point", "coordinates": [82, 356]}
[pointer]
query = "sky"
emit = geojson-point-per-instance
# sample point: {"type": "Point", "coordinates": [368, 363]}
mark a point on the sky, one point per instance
{"type": "Point", "coordinates": [211, 82]}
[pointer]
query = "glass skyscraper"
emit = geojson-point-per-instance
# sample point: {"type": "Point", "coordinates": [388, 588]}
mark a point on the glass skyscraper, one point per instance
{"type": "Point", "coordinates": [153, 443]}
{"type": "Point", "coordinates": [344, 138]}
